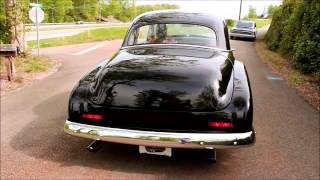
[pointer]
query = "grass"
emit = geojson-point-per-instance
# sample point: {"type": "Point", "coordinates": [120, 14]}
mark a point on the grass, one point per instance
{"type": "Point", "coordinates": [28, 64]}
{"type": "Point", "coordinates": [27, 68]}
{"type": "Point", "coordinates": [262, 22]}
{"type": "Point", "coordinates": [100, 34]}
{"type": "Point", "coordinates": [33, 64]}
{"type": "Point", "coordinates": [308, 86]}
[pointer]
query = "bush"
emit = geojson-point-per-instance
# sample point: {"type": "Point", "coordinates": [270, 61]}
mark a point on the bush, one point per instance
{"type": "Point", "coordinates": [230, 22]}
{"type": "Point", "coordinates": [294, 32]}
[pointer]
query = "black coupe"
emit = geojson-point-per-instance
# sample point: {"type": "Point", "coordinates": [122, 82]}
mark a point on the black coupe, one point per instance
{"type": "Point", "coordinates": [173, 84]}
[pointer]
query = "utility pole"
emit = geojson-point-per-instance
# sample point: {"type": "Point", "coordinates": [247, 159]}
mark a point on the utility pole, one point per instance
{"type": "Point", "coordinates": [240, 9]}
{"type": "Point", "coordinates": [100, 11]}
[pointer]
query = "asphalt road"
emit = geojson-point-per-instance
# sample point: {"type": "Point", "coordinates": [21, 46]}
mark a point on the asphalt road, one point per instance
{"type": "Point", "coordinates": [33, 144]}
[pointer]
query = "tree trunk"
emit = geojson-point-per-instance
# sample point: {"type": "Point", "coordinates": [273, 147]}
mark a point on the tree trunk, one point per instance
{"type": "Point", "coordinates": [14, 20]}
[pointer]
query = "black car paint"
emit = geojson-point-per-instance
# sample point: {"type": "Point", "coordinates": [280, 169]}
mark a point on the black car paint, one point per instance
{"type": "Point", "coordinates": [169, 88]}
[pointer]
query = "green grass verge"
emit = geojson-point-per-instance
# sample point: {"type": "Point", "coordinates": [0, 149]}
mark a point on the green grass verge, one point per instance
{"type": "Point", "coordinates": [100, 34]}
{"type": "Point", "coordinates": [29, 64]}
{"type": "Point", "coordinates": [33, 64]}
{"type": "Point", "coordinates": [262, 22]}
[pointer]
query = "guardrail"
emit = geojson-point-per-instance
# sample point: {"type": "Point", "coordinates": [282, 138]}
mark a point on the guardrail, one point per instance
{"type": "Point", "coordinates": [75, 23]}
{"type": "Point", "coordinates": [48, 26]}
{"type": "Point", "coordinates": [66, 23]}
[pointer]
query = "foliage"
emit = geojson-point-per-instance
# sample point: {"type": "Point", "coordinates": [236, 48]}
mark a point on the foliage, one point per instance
{"type": "Point", "coordinates": [271, 10]}
{"type": "Point", "coordinates": [125, 10]}
{"type": "Point", "coordinates": [88, 10]}
{"type": "Point", "coordinates": [69, 11]}
{"type": "Point", "coordinates": [262, 22]}
{"type": "Point", "coordinates": [230, 22]}
{"type": "Point", "coordinates": [11, 16]}
{"type": "Point", "coordinates": [29, 64]}
{"type": "Point", "coordinates": [57, 10]}
{"type": "Point", "coordinates": [252, 14]}
{"type": "Point", "coordinates": [294, 32]}
{"type": "Point", "coordinates": [100, 34]}
{"type": "Point", "coordinates": [33, 64]}
{"type": "Point", "coordinates": [4, 29]}
{"type": "Point", "coordinates": [145, 8]}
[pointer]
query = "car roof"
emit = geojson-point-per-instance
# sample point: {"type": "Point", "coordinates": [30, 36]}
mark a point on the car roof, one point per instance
{"type": "Point", "coordinates": [180, 16]}
{"type": "Point", "coordinates": [184, 17]}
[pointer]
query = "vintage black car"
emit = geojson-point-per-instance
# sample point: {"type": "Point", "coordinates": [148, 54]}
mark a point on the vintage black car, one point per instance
{"type": "Point", "coordinates": [173, 84]}
{"type": "Point", "coordinates": [244, 29]}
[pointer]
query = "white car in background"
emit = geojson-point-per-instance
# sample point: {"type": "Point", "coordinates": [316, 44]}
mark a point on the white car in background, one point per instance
{"type": "Point", "coordinates": [244, 29]}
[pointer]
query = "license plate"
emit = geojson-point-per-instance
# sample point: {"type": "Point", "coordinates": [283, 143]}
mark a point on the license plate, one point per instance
{"type": "Point", "coordinates": [162, 151]}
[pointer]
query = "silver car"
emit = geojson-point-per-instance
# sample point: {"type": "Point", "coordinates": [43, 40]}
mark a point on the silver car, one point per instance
{"type": "Point", "coordinates": [244, 29]}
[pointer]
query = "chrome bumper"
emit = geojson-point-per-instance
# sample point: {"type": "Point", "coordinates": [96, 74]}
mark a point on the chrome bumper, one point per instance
{"type": "Point", "coordinates": [161, 139]}
{"type": "Point", "coordinates": [242, 35]}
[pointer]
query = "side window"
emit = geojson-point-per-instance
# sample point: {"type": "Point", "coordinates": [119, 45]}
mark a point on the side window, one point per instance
{"type": "Point", "coordinates": [143, 35]}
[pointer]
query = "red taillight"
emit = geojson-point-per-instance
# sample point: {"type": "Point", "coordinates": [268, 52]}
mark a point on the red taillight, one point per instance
{"type": "Point", "coordinates": [221, 124]}
{"type": "Point", "coordinates": [94, 117]}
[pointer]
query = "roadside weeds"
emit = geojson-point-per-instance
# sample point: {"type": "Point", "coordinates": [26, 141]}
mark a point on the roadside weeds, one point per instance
{"type": "Point", "coordinates": [28, 69]}
{"type": "Point", "coordinates": [306, 85]}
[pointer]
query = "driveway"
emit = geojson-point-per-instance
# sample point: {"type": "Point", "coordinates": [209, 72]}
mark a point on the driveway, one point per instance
{"type": "Point", "coordinates": [33, 144]}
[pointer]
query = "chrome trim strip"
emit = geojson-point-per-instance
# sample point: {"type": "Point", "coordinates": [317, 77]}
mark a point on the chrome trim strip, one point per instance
{"type": "Point", "coordinates": [182, 45]}
{"type": "Point", "coordinates": [241, 35]}
{"type": "Point", "coordinates": [161, 139]}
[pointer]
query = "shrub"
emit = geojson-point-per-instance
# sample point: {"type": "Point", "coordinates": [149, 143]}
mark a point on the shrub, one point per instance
{"type": "Point", "coordinates": [230, 22]}
{"type": "Point", "coordinates": [294, 32]}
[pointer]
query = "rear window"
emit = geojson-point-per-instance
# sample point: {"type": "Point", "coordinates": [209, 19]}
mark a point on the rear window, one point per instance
{"type": "Point", "coordinates": [173, 34]}
{"type": "Point", "coordinates": [241, 24]}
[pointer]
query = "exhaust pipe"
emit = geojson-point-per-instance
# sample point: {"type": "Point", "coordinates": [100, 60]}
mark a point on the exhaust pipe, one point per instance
{"type": "Point", "coordinates": [95, 146]}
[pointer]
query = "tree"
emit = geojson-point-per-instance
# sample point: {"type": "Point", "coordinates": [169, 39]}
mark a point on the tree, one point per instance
{"type": "Point", "coordinates": [271, 10]}
{"type": "Point", "coordinates": [12, 22]}
{"type": "Point", "coordinates": [115, 8]}
{"type": "Point", "coordinates": [252, 13]}
{"type": "Point", "coordinates": [57, 10]}
{"type": "Point", "coordinates": [4, 29]}
{"type": "Point", "coordinates": [294, 32]}
{"type": "Point", "coordinates": [85, 10]}
{"type": "Point", "coordinates": [126, 10]}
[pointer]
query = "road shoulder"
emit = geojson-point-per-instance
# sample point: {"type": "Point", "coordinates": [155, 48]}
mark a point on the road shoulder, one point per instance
{"type": "Point", "coordinates": [306, 85]}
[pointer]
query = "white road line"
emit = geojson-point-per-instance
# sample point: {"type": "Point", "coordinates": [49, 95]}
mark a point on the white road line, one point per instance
{"type": "Point", "coordinates": [89, 49]}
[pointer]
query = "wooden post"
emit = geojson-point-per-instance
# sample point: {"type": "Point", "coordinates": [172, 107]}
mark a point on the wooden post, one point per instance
{"type": "Point", "coordinates": [10, 67]}
{"type": "Point", "coordinates": [9, 52]}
